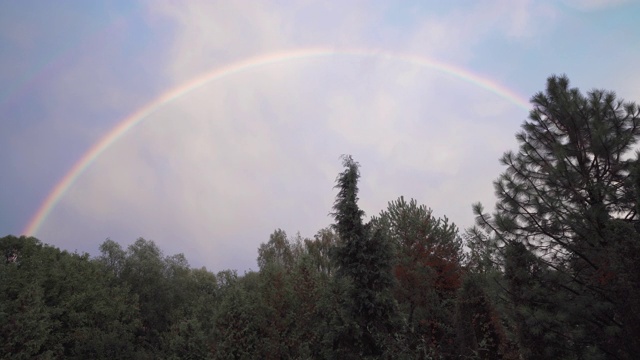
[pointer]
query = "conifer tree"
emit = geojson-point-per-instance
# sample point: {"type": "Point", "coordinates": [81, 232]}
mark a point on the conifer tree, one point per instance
{"type": "Point", "coordinates": [567, 197]}
{"type": "Point", "coordinates": [364, 259]}
{"type": "Point", "coordinates": [479, 332]}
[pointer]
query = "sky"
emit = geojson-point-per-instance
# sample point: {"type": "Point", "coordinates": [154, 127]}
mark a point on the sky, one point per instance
{"type": "Point", "coordinates": [206, 125]}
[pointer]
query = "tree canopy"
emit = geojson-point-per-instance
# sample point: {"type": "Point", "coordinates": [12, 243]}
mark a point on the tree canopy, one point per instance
{"type": "Point", "coordinates": [565, 225]}
{"type": "Point", "coordinates": [552, 273]}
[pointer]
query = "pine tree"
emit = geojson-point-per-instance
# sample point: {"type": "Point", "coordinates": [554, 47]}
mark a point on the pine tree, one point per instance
{"type": "Point", "coordinates": [569, 196]}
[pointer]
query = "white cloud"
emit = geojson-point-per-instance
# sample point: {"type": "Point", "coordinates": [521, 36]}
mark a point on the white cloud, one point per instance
{"type": "Point", "coordinates": [214, 172]}
{"type": "Point", "coordinates": [456, 35]}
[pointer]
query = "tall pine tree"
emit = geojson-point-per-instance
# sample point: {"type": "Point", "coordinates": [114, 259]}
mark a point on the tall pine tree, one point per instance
{"type": "Point", "coordinates": [569, 199]}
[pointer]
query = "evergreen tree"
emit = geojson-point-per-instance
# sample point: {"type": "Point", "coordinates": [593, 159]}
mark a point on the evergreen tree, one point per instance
{"type": "Point", "coordinates": [480, 334]}
{"type": "Point", "coordinates": [541, 314]}
{"type": "Point", "coordinates": [569, 196]}
{"type": "Point", "coordinates": [364, 259]}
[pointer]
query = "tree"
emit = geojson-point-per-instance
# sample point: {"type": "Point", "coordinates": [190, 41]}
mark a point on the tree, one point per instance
{"type": "Point", "coordinates": [364, 258]}
{"type": "Point", "coordinates": [195, 293]}
{"type": "Point", "coordinates": [319, 250]}
{"type": "Point", "coordinates": [276, 252]}
{"type": "Point", "coordinates": [240, 320]}
{"type": "Point", "coordinates": [479, 331]}
{"type": "Point", "coordinates": [163, 288]}
{"type": "Point", "coordinates": [112, 257]}
{"type": "Point", "coordinates": [54, 304]}
{"type": "Point", "coordinates": [539, 329]}
{"type": "Point", "coordinates": [570, 197]}
{"type": "Point", "coordinates": [428, 272]}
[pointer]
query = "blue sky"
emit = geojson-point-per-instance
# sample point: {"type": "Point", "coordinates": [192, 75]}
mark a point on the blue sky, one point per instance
{"type": "Point", "coordinates": [214, 172]}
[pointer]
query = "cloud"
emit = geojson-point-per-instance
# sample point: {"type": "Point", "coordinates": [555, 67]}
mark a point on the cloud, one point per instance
{"type": "Point", "coordinates": [213, 173]}
{"type": "Point", "coordinates": [593, 5]}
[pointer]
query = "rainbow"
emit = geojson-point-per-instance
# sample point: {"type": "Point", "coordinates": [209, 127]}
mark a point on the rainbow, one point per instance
{"type": "Point", "coordinates": [217, 73]}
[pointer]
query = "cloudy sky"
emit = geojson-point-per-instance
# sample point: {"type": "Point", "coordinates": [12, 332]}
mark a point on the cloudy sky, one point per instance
{"type": "Point", "coordinates": [238, 111]}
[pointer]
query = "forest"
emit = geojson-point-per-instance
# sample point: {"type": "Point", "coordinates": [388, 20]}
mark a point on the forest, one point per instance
{"type": "Point", "coordinates": [552, 272]}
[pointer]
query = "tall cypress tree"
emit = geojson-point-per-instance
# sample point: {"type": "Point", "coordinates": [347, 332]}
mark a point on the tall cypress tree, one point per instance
{"type": "Point", "coordinates": [364, 259]}
{"type": "Point", "coordinates": [569, 197]}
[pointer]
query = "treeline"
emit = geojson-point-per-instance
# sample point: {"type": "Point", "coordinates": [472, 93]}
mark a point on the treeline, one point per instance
{"type": "Point", "coordinates": [553, 273]}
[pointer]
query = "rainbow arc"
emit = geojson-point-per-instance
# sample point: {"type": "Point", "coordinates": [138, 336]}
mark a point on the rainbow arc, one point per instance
{"type": "Point", "coordinates": [218, 73]}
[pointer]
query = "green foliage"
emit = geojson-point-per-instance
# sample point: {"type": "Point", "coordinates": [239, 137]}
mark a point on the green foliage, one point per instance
{"type": "Point", "coordinates": [479, 331]}
{"type": "Point", "coordinates": [240, 323]}
{"type": "Point", "coordinates": [276, 252]}
{"type": "Point", "coordinates": [542, 319]}
{"type": "Point", "coordinates": [187, 340]}
{"type": "Point", "coordinates": [144, 272]}
{"type": "Point", "coordinates": [56, 304]}
{"type": "Point", "coordinates": [318, 251]}
{"type": "Point", "coordinates": [551, 274]}
{"type": "Point", "coordinates": [347, 214]}
{"type": "Point", "coordinates": [428, 272]}
{"type": "Point", "coordinates": [563, 200]}
{"type": "Point", "coordinates": [364, 258]}
{"type": "Point", "coordinates": [112, 257]}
